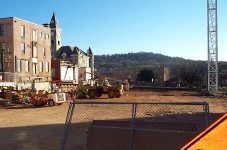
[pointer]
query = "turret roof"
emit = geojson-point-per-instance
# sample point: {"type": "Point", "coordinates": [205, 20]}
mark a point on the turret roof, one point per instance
{"type": "Point", "coordinates": [54, 22]}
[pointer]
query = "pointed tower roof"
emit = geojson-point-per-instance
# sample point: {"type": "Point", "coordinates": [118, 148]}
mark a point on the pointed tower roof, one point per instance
{"type": "Point", "coordinates": [54, 22]}
{"type": "Point", "coordinates": [89, 51]}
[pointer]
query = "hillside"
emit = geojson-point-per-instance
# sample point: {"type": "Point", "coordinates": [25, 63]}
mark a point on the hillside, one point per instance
{"type": "Point", "coordinates": [103, 63]}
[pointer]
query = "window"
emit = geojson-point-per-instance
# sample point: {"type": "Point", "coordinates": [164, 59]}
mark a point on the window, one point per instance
{"type": "Point", "coordinates": [22, 31]}
{"type": "Point", "coordinates": [1, 66]}
{"type": "Point", "coordinates": [52, 33]}
{"type": "Point", "coordinates": [34, 52]}
{"type": "Point", "coordinates": [44, 51]}
{"type": "Point", "coordinates": [64, 55]}
{"type": "Point", "coordinates": [27, 66]}
{"type": "Point", "coordinates": [58, 42]}
{"type": "Point", "coordinates": [40, 66]}
{"type": "Point", "coordinates": [34, 35]}
{"type": "Point", "coordinates": [40, 34]}
{"type": "Point", "coordinates": [22, 48]}
{"type": "Point", "coordinates": [18, 65]}
{"type": "Point", "coordinates": [47, 66]}
{"type": "Point", "coordinates": [8, 30]}
{"type": "Point", "coordinates": [2, 29]}
{"type": "Point", "coordinates": [34, 66]}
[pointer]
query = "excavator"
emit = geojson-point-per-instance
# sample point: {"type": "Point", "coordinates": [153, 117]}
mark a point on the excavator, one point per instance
{"type": "Point", "coordinates": [98, 87]}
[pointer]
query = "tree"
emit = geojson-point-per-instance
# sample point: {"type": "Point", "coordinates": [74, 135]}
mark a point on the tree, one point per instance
{"type": "Point", "coordinates": [191, 72]}
{"type": "Point", "coordinates": [145, 75]}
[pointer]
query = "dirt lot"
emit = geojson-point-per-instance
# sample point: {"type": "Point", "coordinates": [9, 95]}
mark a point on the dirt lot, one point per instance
{"type": "Point", "coordinates": [27, 127]}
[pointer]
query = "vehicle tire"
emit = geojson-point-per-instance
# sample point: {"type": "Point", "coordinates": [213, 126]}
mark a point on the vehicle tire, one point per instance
{"type": "Point", "coordinates": [111, 94]}
{"type": "Point", "coordinates": [34, 104]}
{"type": "Point", "coordinates": [51, 102]}
{"type": "Point", "coordinates": [99, 94]}
{"type": "Point", "coordinates": [81, 94]}
{"type": "Point", "coordinates": [118, 95]}
{"type": "Point", "coordinates": [92, 93]}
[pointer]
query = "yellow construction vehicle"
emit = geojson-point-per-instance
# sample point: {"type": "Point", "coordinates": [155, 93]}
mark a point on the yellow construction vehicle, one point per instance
{"type": "Point", "coordinates": [98, 87]}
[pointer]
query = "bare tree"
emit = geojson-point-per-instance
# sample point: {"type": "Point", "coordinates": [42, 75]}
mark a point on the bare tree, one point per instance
{"type": "Point", "coordinates": [191, 72]}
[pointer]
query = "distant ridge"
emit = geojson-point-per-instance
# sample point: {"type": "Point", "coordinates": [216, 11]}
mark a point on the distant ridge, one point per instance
{"type": "Point", "coordinates": [139, 59]}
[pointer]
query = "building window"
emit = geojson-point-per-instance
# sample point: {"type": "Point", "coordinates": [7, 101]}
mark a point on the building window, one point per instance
{"type": "Point", "coordinates": [52, 33]}
{"type": "Point", "coordinates": [22, 48]}
{"type": "Point", "coordinates": [34, 35]}
{"type": "Point", "coordinates": [8, 30]}
{"type": "Point", "coordinates": [40, 66]}
{"type": "Point", "coordinates": [34, 52]}
{"type": "Point", "coordinates": [22, 31]}
{"type": "Point", "coordinates": [1, 66]}
{"type": "Point", "coordinates": [18, 65]}
{"type": "Point", "coordinates": [44, 51]}
{"type": "Point", "coordinates": [27, 66]}
{"type": "Point", "coordinates": [47, 66]}
{"type": "Point", "coordinates": [64, 55]}
{"type": "Point", "coordinates": [40, 34]}
{"type": "Point", "coordinates": [58, 42]}
{"type": "Point", "coordinates": [2, 29]}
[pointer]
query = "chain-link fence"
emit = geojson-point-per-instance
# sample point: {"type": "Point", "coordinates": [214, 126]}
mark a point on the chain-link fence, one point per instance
{"type": "Point", "coordinates": [91, 123]}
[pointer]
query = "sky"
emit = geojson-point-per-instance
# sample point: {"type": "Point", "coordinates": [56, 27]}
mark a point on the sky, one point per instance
{"type": "Point", "coordinates": [176, 28]}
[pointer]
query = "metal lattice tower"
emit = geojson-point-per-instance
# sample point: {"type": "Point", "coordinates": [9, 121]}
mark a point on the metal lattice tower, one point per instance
{"type": "Point", "coordinates": [212, 37]}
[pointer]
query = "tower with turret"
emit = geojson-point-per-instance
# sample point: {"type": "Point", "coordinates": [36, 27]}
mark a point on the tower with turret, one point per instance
{"type": "Point", "coordinates": [55, 36]}
{"type": "Point", "coordinates": [91, 60]}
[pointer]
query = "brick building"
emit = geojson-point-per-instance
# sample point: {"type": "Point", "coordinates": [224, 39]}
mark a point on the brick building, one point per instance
{"type": "Point", "coordinates": [25, 48]}
{"type": "Point", "coordinates": [28, 50]}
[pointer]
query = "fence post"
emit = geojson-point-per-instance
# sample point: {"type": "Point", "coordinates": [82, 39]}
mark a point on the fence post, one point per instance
{"type": "Point", "coordinates": [132, 126]}
{"type": "Point", "coordinates": [67, 125]}
{"type": "Point", "coordinates": [206, 109]}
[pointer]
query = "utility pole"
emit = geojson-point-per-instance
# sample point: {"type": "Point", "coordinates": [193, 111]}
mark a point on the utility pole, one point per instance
{"type": "Point", "coordinates": [212, 44]}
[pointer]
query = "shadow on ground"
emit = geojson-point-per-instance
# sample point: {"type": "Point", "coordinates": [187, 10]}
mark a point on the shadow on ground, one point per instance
{"type": "Point", "coordinates": [42, 137]}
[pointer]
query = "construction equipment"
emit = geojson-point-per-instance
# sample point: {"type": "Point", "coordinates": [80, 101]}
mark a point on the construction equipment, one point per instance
{"type": "Point", "coordinates": [98, 87]}
{"type": "Point", "coordinates": [55, 97]}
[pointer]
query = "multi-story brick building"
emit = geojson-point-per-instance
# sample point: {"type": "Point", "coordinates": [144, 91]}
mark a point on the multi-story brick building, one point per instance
{"type": "Point", "coordinates": [28, 50]}
{"type": "Point", "coordinates": [25, 48]}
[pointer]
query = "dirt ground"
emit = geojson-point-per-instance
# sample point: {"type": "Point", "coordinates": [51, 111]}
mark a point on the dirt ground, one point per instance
{"type": "Point", "coordinates": [25, 127]}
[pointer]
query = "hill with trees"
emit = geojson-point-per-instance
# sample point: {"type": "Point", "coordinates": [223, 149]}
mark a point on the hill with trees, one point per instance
{"type": "Point", "coordinates": [189, 70]}
{"type": "Point", "coordinates": [140, 59]}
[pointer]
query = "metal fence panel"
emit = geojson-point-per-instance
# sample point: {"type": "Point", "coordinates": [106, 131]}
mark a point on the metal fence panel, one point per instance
{"type": "Point", "coordinates": [84, 115]}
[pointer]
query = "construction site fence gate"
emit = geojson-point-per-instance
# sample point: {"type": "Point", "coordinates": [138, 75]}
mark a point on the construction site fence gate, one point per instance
{"type": "Point", "coordinates": [82, 116]}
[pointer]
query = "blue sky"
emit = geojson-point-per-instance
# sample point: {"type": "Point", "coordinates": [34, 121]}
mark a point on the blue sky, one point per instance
{"type": "Point", "coordinates": [175, 28]}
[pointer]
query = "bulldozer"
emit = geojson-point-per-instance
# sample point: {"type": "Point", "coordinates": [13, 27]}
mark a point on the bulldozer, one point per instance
{"type": "Point", "coordinates": [98, 87]}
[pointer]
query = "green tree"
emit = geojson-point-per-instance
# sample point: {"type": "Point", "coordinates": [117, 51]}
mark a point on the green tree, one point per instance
{"type": "Point", "coordinates": [145, 75]}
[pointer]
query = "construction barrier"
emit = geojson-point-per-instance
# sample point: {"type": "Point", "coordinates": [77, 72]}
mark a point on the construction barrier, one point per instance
{"type": "Point", "coordinates": [109, 125]}
{"type": "Point", "coordinates": [213, 138]}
